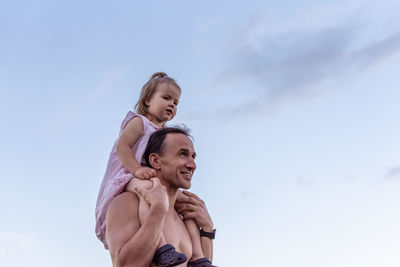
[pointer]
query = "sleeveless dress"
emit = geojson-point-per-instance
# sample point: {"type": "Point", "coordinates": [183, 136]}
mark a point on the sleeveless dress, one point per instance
{"type": "Point", "coordinates": [117, 176]}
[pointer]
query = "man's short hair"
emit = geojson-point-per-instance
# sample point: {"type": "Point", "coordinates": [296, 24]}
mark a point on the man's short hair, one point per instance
{"type": "Point", "coordinates": [156, 142]}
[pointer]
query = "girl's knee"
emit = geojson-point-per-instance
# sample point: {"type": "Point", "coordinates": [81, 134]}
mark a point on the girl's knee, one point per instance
{"type": "Point", "coordinates": [144, 184]}
{"type": "Point", "coordinates": [135, 182]}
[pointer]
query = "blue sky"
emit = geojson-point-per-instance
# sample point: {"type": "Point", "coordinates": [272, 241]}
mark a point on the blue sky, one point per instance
{"type": "Point", "coordinates": [293, 106]}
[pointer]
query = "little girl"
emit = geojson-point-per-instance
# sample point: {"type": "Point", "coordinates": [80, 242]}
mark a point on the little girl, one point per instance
{"type": "Point", "coordinates": [157, 104]}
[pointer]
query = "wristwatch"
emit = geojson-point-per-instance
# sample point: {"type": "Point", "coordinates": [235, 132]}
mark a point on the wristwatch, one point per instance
{"type": "Point", "coordinates": [210, 235]}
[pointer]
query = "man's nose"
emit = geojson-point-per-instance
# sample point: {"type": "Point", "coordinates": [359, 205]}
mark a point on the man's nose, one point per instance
{"type": "Point", "coordinates": [191, 164]}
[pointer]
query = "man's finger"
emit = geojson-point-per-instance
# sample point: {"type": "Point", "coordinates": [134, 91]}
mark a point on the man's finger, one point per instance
{"type": "Point", "coordinates": [143, 193]}
{"type": "Point", "coordinates": [190, 194]}
{"type": "Point", "coordinates": [155, 181]}
{"type": "Point", "coordinates": [186, 195]}
{"type": "Point", "coordinates": [182, 198]}
{"type": "Point", "coordinates": [186, 206]}
{"type": "Point", "coordinates": [188, 215]}
{"type": "Point", "coordinates": [140, 191]}
{"type": "Point", "coordinates": [192, 200]}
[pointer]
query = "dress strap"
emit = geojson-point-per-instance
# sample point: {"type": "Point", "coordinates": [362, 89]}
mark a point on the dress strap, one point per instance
{"type": "Point", "coordinates": [130, 115]}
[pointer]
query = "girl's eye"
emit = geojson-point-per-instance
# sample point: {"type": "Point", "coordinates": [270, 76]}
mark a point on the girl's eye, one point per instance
{"type": "Point", "coordinates": [175, 103]}
{"type": "Point", "coordinates": [166, 97]}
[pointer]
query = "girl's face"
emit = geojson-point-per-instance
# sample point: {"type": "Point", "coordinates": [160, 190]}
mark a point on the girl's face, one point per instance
{"type": "Point", "coordinates": [162, 104]}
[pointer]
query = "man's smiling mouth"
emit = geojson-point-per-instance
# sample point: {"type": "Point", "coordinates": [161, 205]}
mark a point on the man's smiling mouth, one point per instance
{"type": "Point", "coordinates": [188, 174]}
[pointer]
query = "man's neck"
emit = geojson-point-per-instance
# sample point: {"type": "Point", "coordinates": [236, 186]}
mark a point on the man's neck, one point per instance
{"type": "Point", "coordinates": [172, 194]}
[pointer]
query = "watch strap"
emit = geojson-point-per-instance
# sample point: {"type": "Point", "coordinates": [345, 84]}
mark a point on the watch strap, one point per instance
{"type": "Point", "coordinates": [210, 235]}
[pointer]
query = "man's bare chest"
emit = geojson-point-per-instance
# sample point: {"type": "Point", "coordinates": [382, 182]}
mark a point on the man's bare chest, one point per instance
{"type": "Point", "coordinates": [175, 233]}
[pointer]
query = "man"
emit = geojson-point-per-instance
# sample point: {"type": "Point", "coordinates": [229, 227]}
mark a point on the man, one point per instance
{"type": "Point", "coordinates": [171, 154]}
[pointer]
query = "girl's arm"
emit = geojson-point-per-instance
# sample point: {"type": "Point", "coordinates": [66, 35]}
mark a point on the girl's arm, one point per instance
{"type": "Point", "coordinates": [127, 140]}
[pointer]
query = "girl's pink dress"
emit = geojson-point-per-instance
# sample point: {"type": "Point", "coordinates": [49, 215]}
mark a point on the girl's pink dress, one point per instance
{"type": "Point", "coordinates": [117, 176]}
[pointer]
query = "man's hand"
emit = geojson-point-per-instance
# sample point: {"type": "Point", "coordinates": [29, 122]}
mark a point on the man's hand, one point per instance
{"type": "Point", "coordinates": [192, 207]}
{"type": "Point", "coordinates": [156, 196]}
{"type": "Point", "coordinates": [133, 243]}
{"type": "Point", "coordinates": [145, 173]}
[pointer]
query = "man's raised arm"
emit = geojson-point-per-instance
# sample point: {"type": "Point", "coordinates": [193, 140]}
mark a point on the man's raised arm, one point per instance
{"type": "Point", "coordinates": [130, 243]}
{"type": "Point", "coordinates": [192, 207]}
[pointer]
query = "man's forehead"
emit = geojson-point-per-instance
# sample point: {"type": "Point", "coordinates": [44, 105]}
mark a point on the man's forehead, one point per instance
{"type": "Point", "coordinates": [177, 141]}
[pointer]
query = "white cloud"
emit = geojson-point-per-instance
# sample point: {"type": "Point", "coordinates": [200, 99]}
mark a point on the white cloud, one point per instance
{"type": "Point", "coordinates": [393, 173]}
{"type": "Point", "coordinates": [288, 55]}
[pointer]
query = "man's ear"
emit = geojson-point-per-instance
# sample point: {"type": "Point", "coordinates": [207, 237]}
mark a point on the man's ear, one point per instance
{"type": "Point", "coordinates": [154, 160]}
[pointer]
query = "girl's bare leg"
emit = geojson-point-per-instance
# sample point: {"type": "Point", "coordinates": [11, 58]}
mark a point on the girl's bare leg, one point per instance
{"type": "Point", "coordinates": [194, 234]}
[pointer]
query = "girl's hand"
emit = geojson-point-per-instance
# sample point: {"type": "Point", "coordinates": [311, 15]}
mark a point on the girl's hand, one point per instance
{"type": "Point", "coordinates": [145, 173]}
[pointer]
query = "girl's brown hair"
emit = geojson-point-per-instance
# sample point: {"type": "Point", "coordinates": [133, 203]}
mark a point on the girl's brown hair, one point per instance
{"type": "Point", "coordinates": [149, 88]}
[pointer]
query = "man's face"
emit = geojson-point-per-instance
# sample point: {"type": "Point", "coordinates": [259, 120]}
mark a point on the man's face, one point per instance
{"type": "Point", "coordinates": [177, 161]}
